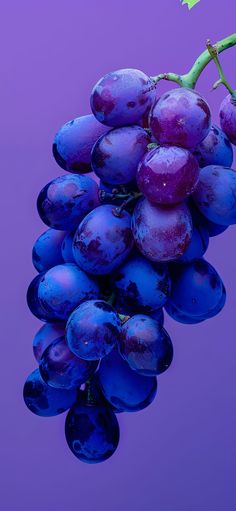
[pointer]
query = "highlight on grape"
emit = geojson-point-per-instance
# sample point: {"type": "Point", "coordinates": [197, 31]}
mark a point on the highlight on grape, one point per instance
{"type": "Point", "coordinates": [149, 181]}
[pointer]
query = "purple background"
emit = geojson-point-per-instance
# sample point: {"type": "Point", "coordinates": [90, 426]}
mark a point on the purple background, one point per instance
{"type": "Point", "coordinates": [179, 454]}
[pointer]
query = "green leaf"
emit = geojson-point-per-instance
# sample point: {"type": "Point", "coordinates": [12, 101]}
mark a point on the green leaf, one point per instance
{"type": "Point", "coordinates": [190, 3]}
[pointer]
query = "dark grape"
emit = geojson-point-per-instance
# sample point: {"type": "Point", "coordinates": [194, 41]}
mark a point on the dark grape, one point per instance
{"type": "Point", "coordinates": [215, 149]}
{"type": "Point", "coordinates": [145, 345]}
{"type": "Point", "coordinates": [199, 221]}
{"type": "Point", "coordinates": [180, 117]}
{"type": "Point", "coordinates": [161, 234]}
{"type": "Point", "coordinates": [124, 388]}
{"type": "Point", "coordinates": [92, 432]}
{"type": "Point", "coordinates": [45, 336]}
{"type": "Point", "coordinates": [198, 244]}
{"type": "Point", "coordinates": [63, 288]}
{"type": "Point", "coordinates": [64, 201]}
{"type": "Point", "coordinates": [168, 174]}
{"type": "Point", "coordinates": [66, 248]}
{"type": "Point", "coordinates": [141, 285]}
{"type": "Point", "coordinates": [73, 143]}
{"type": "Point", "coordinates": [44, 400]}
{"type": "Point", "coordinates": [122, 97]}
{"type": "Point", "coordinates": [92, 330]}
{"type": "Point", "coordinates": [60, 368]}
{"type": "Point", "coordinates": [213, 228]}
{"type": "Point", "coordinates": [215, 194]}
{"type": "Point", "coordinates": [116, 155]}
{"type": "Point", "coordinates": [47, 250]}
{"type": "Point", "coordinates": [103, 240]}
{"type": "Point", "coordinates": [228, 118]}
{"type": "Point", "coordinates": [33, 301]}
{"type": "Point", "coordinates": [158, 315]}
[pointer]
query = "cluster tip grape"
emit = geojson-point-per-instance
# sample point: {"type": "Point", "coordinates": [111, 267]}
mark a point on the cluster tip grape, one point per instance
{"type": "Point", "coordinates": [148, 182]}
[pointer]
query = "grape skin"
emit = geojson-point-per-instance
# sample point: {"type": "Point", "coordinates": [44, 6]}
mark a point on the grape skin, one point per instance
{"type": "Point", "coordinates": [103, 240]}
{"type": "Point", "coordinates": [116, 155]}
{"type": "Point", "coordinates": [215, 149]}
{"type": "Point", "coordinates": [180, 117]}
{"type": "Point", "coordinates": [198, 245]}
{"type": "Point", "coordinates": [46, 251]}
{"type": "Point", "coordinates": [45, 336]}
{"type": "Point", "coordinates": [73, 143]}
{"type": "Point", "coordinates": [33, 301]}
{"type": "Point", "coordinates": [228, 118]}
{"type": "Point", "coordinates": [161, 234]}
{"type": "Point", "coordinates": [122, 97]}
{"type": "Point", "coordinates": [66, 248]}
{"type": "Point", "coordinates": [64, 201]}
{"type": "Point", "coordinates": [181, 317]}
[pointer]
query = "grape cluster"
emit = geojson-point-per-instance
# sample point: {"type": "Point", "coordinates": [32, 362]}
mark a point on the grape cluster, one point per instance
{"type": "Point", "coordinates": [118, 252]}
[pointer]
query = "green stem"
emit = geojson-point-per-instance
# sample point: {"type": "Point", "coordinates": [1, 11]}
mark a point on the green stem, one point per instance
{"type": "Point", "coordinates": [222, 80]}
{"type": "Point", "coordinates": [190, 79]}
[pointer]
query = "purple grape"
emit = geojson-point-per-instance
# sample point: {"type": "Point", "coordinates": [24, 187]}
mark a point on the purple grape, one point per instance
{"type": "Point", "coordinates": [44, 400]}
{"type": "Point", "coordinates": [60, 368]}
{"type": "Point", "coordinates": [64, 201]}
{"type": "Point", "coordinates": [215, 194]}
{"type": "Point", "coordinates": [161, 234]}
{"type": "Point", "coordinates": [200, 221]}
{"type": "Point", "coordinates": [66, 248]}
{"type": "Point", "coordinates": [122, 97]}
{"type": "Point", "coordinates": [198, 245]}
{"type": "Point", "coordinates": [145, 345]}
{"type": "Point", "coordinates": [141, 286]}
{"type": "Point", "coordinates": [116, 155]}
{"type": "Point", "coordinates": [228, 118]}
{"type": "Point", "coordinates": [180, 117]}
{"type": "Point", "coordinates": [92, 330]}
{"type": "Point", "coordinates": [168, 174]}
{"type": "Point", "coordinates": [103, 240]}
{"type": "Point", "coordinates": [124, 388]}
{"type": "Point", "coordinates": [74, 141]}
{"type": "Point", "coordinates": [33, 301]}
{"type": "Point", "coordinates": [47, 250]}
{"type": "Point", "coordinates": [214, 229]}
{"type": "Point", "coordinates": [215, 149]}
{"type": "Point", "coordinates": [63, 288]}
{"type": "Point", "coordinates": [45, 336]}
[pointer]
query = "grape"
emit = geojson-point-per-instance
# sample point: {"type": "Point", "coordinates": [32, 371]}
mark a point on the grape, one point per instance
{"type": "Point", "coordinates": [45, 336]}
{"type": "Point", "coordinates": [66, 248]}
{"type": "Point", "coordinates": [122, 97]}
{"type": "Point", "coordinates": [168, 174]}
{"type": "Point", "coordinates": [140, 285]}
{"type": "Point", "coordinates": [92, 330]}
{"type": "Point", "coordinates": [116, 155]}
{"type": "Point", "coordinates": [215, 194]}
{"type": "Point", "coordinates": [180, 117]}
{"type": "Point", "coordinates": [158, 315]}
{"type": "Point", "coordinates": [47, 250]}
{"type": "Point", "coordinates": [63, 288]}
{"type": "Point", "coordinates": [92, 432]}
{"type": "Point", "coordinates": [214, 229]}
{"type": "Point", "coordinates": [215, 149]}
{"type": "Point", "coordinates": [124, 388]}
{"type": "Point", "coordinates": [73, 143]}
{"type": "Point", "coordinates": [197, 246]}
{"type": "Point", "coordinates": [199, 220]}
{"type": "Point", "coordinates": [196, 288]}
{"type": "Point", "coordinates": [228, 118]}
{"type": "Point", "coordinates": [145, 345]}
{"type": "Point", "coordinates": [103, 240]}
{"type": "Point", "coordinates": [59, 368]}
{"type": "Point", "coordinates": [161, 234]}
{"type": "Point", "coordinates": [44, 400]}
{"type": "Point", "coordinates": [64, 201]}
{"type": "Point", "coordinates": [33, 302]}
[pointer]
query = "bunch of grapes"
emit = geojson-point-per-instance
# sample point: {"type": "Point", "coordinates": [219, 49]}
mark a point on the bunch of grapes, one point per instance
{"type": "Point", "coordinates": [124, 242]}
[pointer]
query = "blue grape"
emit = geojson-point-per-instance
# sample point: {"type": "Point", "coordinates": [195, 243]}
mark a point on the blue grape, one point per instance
{"type": "Point", "coordinates": [92, 432]}
{"type": "Point", "coordinates": [158, 315]}
{"type": "Point", "coordinates": [64, 201]}
{"type": "Point", "coordinates": [103, 240]}
{"type": "Point", "coordinates": [198, 245]}
{"type": "Point", "coordinates": [116, 155]}
{"type": "Point", "coordinates": [123, 97]}
{"type": "Point", "coordinates": [73, 143]}
{"type": "Point", "coordinates": [124, 388]}
{"type": "Point", "coordinates": [196, 288]}
{"type": "Point", "coordinates": [33, 301]}
{"type": "Point", "coordinates": [228, 118]}
{"type": "Point", "coordinates": [145, 345]}
{"type": "Point", "coordinates": [66, 248]}
{"type": "Point", "coordinates": [45, 336]}
{"type": "Point", "coordinates": [214, 229]}
{"type": "Point", "coordinates": [215, 194]}
{"type": "Point", "coordinates": [63, 288]}
{"type": "Point", "coordinates": [141, 285]}
{"type": "Point", "coordinates": [215, 149]}
{"type": "Point", "coordinates": [92, 330]}
{"type": "Point", "coordinates": [60, 368]}
{"type": "Point", "coordinates": [47, 250]}
{"type": "Point", "coordinates": [199, 221]}
{"type": "Point", "coordinates": [44, 400]}
{"type": "Point", "coordinates": [181, 317]}
{"type": "Point", "coordinates": [161, 234]}
{"type": "Point", "coordinates": [180, 117]}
